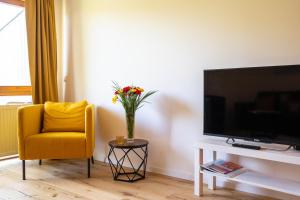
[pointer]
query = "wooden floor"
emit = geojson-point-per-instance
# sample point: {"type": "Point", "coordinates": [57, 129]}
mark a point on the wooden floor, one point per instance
{"type": "Point", "coordinates": [66, 179]}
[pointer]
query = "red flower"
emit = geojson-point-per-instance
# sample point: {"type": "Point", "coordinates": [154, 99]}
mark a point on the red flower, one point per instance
{"type": "Point", "coordinates": [116, 92]}
{"type": "Point", "coordinates": [126, 89]}
{"type": "Point", "coordinates": [138, 92]}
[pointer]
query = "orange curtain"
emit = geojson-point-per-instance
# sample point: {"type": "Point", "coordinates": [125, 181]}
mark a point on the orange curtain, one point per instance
{"type": "Point", "coordinates": [42, 49]}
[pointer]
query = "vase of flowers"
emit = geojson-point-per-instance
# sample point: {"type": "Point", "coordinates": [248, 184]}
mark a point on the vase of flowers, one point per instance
{"type": "Point", "coordinates": [132, 98]}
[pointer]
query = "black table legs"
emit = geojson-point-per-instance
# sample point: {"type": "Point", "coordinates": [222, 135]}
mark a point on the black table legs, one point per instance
{"type": "Point", "coordinates": [89, 167]}
{"type": "Point", "coordinates": [23, 170]}
{"type": "Point", "coordinates": [133, 173]}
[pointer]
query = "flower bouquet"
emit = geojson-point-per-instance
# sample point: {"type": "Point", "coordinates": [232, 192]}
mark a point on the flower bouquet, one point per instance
{"type": "Point", "coordinates": [132, 98]}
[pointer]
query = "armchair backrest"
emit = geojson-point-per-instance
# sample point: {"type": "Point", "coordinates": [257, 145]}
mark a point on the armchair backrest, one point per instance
{"type": "Point", "coordinates": [64, 117]}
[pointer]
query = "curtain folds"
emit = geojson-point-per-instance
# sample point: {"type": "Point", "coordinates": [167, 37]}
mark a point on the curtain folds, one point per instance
{"type": "Point", "coordinates": [42, 49]}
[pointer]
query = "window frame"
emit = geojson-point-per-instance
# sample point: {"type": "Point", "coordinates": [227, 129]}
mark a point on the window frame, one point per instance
{"type": "Point", "coordinates": [15, 90]}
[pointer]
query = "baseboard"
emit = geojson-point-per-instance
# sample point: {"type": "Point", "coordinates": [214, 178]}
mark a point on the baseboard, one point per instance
{"type": "Point", "coordinates": [9, 157]}
{"type": "Point", "coordinates": [168, 172]}
{"type": "Point", "coordinates": [171, 172]}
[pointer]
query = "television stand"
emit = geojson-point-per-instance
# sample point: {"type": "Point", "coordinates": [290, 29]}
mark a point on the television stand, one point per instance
{"type": "Point", "coordinates": [246, 146]}
{"type": "Point", "coordinates": [249, 177]}
{"type": "Point", "coordinates": [240, 145]}
{"type": "Point", "coordinates": [297, 147]}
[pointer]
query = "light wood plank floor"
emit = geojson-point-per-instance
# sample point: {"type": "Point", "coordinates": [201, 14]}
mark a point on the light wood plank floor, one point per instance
{"type": "Point", "coordinates": [66, 179]}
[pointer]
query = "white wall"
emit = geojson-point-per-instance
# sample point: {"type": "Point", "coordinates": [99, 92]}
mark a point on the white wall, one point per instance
{"type": "Point", "coordinates": [165, 45]}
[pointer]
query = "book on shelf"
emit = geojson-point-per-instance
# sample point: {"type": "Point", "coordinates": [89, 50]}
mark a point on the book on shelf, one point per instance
{"type": "Point", "coordinates": [224, 168]}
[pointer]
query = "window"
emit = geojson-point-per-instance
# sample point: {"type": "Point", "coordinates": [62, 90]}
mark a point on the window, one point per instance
{"type": "Point", "coordinates": [14, 66]}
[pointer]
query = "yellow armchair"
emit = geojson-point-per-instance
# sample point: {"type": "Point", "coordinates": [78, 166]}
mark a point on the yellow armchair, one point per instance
{"type": "Point", "coordinates": [35, 144]}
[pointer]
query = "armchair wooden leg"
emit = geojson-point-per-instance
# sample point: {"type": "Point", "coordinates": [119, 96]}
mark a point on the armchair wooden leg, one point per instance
{"type": "Point", "coordinates": [89, 167]}
{"type": "Point", "coordinates": [40, 162]}
{"type": "Point", "coordinates": [23, 170]}
{"type": "Point", "coordinates": [93, 162]}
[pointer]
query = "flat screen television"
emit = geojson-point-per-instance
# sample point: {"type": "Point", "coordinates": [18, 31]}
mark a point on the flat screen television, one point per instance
{"type": "Point", "coordinates": [256, 103]}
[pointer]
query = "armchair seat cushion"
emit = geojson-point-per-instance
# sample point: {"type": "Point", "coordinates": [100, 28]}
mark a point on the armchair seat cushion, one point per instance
{"type": "Point", "coordinates": [56, 145]}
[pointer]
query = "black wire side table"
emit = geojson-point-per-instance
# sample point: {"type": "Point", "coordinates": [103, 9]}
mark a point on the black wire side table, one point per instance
{"type": "Point", "coordinates": [127, 151]}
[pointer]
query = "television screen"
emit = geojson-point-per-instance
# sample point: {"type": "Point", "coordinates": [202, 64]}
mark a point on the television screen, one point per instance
{"type": "Point", "coordinates": [257, 103]}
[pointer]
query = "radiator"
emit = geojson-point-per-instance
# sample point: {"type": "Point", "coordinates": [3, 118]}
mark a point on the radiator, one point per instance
{"type": "Point", "coordinates": [8, 130]}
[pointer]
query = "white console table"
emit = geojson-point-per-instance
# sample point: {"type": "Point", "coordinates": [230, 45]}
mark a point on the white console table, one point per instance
{"type": "Point", "coordinates": [248, 177]}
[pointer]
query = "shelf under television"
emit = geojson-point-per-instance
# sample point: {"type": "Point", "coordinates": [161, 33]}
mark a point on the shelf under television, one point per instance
{"type": "Point", "coordinates": [261, 180]}
{"type": "Point", "coordinates": [218, 145]}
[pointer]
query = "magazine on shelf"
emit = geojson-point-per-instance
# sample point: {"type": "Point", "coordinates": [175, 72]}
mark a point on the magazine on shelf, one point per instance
{"type": "Point", "coordinates": [223, 168]}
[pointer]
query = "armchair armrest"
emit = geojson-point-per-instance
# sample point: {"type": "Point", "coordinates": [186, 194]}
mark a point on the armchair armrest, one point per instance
{"type": "Point", "coordinates": [29, 123]}
{"type": "Point", "coordinates": [90, 130]}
